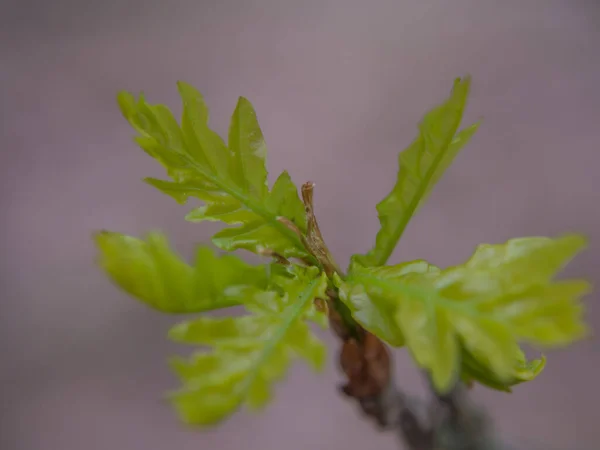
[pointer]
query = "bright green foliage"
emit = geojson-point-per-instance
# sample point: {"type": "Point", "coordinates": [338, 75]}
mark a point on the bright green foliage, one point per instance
{"type": "Point", "coordinates": [422, 164]}
{"type": "Point", "coordinates": [461, 323]}
{"type": "Point", "coordinates": [503, 295]}
{"type": "Point", "coordinates": [473, 370]}
{"type": "Point", "coordinates": [230, 180]}
{"type": "Point", "coordinates": [249, 352]}
{"type": "Point", "coordinates": [151, 272]}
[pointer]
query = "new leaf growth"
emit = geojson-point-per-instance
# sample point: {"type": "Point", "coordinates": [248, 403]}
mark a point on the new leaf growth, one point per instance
{"type": "Point", "coordinates": [463, 323]}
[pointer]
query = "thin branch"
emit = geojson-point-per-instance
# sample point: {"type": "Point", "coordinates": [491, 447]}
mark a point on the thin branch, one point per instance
{"type": "Point", "coordinates": [449, 423]}
{"type": "Point", "coordinates": [367, 364]}
{"type": "Point", "coordinates": [458, 424]}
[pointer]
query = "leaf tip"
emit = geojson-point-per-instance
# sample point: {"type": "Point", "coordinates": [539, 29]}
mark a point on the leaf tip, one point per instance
{"type": "Point", "coordinates": [126, 103]}
{"type": "Point", "coordinates": [103, 236]}
{"type": "Point", "coordinates": [184, 86]}
{"type": "Point", "coordinates": [580, 241]}
{"type": "Point", "coordinates": [243, 101]}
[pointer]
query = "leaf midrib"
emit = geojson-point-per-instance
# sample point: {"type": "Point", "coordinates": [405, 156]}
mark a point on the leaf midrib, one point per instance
{"type": "Point", "coordinates": [293, 314]}
{"type": "Point", "coordinates": [251, 204]}
{"type": "Point", "coordinates": [238, 153]}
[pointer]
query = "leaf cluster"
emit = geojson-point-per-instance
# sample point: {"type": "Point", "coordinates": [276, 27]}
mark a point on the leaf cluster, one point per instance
{"type": "Point", "coordinates": [466, 322]}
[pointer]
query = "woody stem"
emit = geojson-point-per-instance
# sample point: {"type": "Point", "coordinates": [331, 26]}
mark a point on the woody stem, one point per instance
{"type": "Point", "coordinates": [367, 363]}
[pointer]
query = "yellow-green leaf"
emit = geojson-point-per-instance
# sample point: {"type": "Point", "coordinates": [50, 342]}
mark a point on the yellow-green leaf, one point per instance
{"type": "Point", "coordinates": [421, 166]}
{"type": "Point", "coordinates": [249, 353]}
{"type": "Point", "coordinates": [152, 273]}
{"type": "Point", "coordinates": [231, 180]}
{"type": "Point", "coordinates": [249, 151]}
{"type": "Point", "coordinates": [431, 338]}
{"type": "Point", "coordinates": [469, 320]}
{"type": "Point", "coordinates": [523, 370]}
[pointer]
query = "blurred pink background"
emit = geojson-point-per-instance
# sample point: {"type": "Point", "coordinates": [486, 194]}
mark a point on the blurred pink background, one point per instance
{"type": "Point", "coordinates": [339, 86]}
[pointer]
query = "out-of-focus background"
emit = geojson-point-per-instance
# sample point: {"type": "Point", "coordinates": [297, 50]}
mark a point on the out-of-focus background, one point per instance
{"type": "Point", "coordinates": [339, 86]}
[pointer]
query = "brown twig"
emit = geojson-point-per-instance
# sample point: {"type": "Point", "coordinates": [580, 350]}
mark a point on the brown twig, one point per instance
{"type": "Point", "coordinates": [450, 423]}
{"type": "Point", "coordinates": [367, 364]}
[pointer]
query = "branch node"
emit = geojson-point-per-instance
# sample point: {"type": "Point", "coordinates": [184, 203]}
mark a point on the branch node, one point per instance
{"type": "Point", "coordinates": [279, 259]}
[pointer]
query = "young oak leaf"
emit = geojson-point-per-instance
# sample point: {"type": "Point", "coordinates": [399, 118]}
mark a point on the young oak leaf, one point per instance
{"type": "Point", "coordinates": [249, 353]}
{"type": "Point", "coordinates": [502, 296]}
{"type": "Point", "coordinates": [152, 273]}
{"type": "Point", "coordinates": [230, 180]}
{"type": "Point", "coordinates": [421, 166]}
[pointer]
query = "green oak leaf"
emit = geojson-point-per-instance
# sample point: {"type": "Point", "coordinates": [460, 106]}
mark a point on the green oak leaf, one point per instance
{"type": "Point", "coordinates": [421, 166]}
{"type": "Point", "coordinates": [152, 273]}
{"type": "Point", "coordinates": [504, 294]}
{"type": "Point", "coordinates": [249, 352]}
{"type": "Point", "coordinates": [231, 180]}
